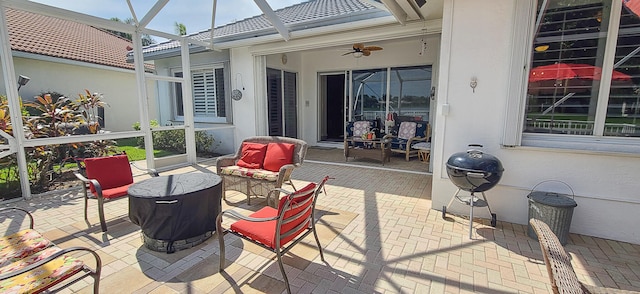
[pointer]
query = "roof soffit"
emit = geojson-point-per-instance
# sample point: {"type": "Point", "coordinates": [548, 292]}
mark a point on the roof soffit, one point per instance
{"type": "Point", "coordinates": [398, 12]}
{"type": "Point", "coordinates": [271, 38]}
{"type": "Point", "coordinates": [390, 31]}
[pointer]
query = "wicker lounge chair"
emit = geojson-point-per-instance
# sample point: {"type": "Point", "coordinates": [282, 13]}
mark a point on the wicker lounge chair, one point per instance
{"type": "Point", "coordinates": [563, 277]}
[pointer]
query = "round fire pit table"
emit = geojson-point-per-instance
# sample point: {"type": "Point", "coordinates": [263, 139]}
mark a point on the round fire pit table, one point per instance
{"type": "Point", "coordinates": [176, 212]}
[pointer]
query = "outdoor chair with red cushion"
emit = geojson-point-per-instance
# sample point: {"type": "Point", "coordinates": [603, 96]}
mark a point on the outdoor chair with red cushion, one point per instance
{"type": "Point", "coordinates": [273, 228]}
{"type": "Point", "coordinates": [260, 165]}
{"type": "Point", "coordinates": [107, 178]}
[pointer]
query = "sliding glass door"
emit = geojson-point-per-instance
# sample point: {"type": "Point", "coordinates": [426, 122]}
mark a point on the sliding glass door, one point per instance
{"type": "Point", "coordinates": [391, 93]}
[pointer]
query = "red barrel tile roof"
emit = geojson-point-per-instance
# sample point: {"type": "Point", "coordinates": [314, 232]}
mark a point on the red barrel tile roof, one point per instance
{"type": "Point", "coordinates": [45, 35]}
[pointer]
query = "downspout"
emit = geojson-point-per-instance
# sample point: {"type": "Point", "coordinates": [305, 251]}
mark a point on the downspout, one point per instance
{"type": "Point", "coordinates": [444, 82]}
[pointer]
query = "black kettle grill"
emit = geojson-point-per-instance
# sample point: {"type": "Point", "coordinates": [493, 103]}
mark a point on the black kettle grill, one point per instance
{"type": "Point", "coordinates": [473, 171]}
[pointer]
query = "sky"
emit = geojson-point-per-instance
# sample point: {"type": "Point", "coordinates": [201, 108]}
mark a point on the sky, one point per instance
{"type": "Point", "coordinates": [194, 14]}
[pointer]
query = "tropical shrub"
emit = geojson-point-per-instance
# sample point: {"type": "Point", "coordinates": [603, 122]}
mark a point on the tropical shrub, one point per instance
{"type": "Point", "coordinates": [55, 116]}
{"type": "Point", "coordinates": [173, 140]}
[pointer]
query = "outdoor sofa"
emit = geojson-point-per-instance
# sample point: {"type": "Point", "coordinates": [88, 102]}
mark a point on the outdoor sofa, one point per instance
{"type": "Point", "coordinates": [260, 165]}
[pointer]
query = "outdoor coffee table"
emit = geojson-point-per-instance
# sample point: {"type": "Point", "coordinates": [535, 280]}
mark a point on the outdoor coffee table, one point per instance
{"type": "Point", "coordinates": [176, 212]}
{"type": "Point", "coordinates": [370, 148]}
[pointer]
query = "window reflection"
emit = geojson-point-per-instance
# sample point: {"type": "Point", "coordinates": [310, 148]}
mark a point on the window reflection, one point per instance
{"type": "Point", "coordinates": [409, 93]}
{"type": "Point", "coordinates": [566, 73]}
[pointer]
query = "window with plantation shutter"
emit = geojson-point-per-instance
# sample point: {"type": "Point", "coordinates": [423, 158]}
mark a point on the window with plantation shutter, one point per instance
{"type": "Point", "coordinates": [204, 92]}
{"type": "Point", "coordinates": [209, 98]}
{"type": "Point", "coordinates": [282, 105]}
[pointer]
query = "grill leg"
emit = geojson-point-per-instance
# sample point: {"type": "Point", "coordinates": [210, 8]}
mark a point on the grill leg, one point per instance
{"type": "Point", "coordinates": [471, 216]}
{"type": "Point", "coordinates": [485, 200]}
{"type": "Point", "coordinates": [453, 198]}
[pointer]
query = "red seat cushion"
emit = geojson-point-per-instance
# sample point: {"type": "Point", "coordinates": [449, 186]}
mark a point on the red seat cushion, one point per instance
{"type": "Point", "coordinates": [278, 154]}
{"type": "Point", "coordinates": [252, 155]}
{"type": "Point", "coordinates": [110, 172]}
{"type": "Point", "coordinates": [265, 232]}
{"type": "Point", "coordinates": [115, 192]}
{"type": "Point", "coordinates": [261, 232]}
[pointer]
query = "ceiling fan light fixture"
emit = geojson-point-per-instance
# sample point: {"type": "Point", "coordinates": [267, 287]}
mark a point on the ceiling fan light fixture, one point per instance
{"type": "Point", "coordinates": [541, 48]}
{"type": "Point", "coordinates": [359, 50]}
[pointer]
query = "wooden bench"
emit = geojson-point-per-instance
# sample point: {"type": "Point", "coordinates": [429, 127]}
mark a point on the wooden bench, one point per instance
{"type": "Point", "coordinates": [30, 263]}
{"type": "Point", "coordinates": [259, 181]}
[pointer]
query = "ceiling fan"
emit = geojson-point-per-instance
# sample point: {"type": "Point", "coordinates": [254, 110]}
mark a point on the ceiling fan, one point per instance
{"type": "Point", "coordinates": [360, 49]}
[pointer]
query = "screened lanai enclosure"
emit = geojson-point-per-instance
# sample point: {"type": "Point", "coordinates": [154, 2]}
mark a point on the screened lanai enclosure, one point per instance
{"type": "Point", "coordinates": [185, 85]}
{"type": "Point", "coordinates": [37, 144]}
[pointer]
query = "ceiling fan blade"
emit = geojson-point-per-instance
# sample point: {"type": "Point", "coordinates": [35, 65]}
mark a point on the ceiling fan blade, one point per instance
{"type": "Point", "coordinates": [358, 46]}
{"type": "Point", "coordinates": [372, 48]}
{"type": "Point", "coordinates": [347, 53]}
{"type": "Point", "coordinates": [366, 52]}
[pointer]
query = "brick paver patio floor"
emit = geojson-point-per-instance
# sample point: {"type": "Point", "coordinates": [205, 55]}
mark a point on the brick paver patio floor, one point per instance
{"type": "Point", "coordinates": [379, 236]}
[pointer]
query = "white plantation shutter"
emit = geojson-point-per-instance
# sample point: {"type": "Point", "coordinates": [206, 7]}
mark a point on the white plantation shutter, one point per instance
{"type": "Point", "coordinates": [209, 96]}
{"type": "Point", "coordinates": [204, 92]}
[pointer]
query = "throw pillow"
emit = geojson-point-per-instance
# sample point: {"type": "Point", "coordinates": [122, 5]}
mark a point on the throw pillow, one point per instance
{"type": "Point", "coordinates": [278, 154]}
{"type": "Point", "coordinates": [252, 155]}
{"type": "Point", "coordinates": [361, 127]}
{"type": "Point", "coordinates": [407, 130]}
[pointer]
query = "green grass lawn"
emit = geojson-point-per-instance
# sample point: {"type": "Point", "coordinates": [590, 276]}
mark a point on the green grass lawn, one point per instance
{"type": "Point", "coordinates": [130, 146]}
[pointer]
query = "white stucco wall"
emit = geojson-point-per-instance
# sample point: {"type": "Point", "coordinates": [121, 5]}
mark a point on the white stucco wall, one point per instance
{"type": "Point", "coordinates": [477, 43]}
{"type": "Point", "coordinates": [223, 133]}
{"type": "Point", "coordinates": [245, 109]}
{"type": "Point", "coordinates": [117, 85]}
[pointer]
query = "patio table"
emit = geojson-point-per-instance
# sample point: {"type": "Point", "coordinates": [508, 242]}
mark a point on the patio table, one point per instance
{"type": "Point", "coordinates": [176, 212]}
{"type": "Point", "coordinates": [370, 148]}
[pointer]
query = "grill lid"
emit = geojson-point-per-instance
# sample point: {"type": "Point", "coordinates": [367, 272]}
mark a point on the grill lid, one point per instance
{"type": "Point", "coordinates": [473, 170]}
{"type": "Point", "coordinates": [476, 161]}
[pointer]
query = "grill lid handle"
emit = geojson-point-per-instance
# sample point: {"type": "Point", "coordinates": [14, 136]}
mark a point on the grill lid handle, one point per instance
{"type": "Point", "coordinates": [474, 151]}
{"type": "Point", "coordinates": [475, 175]}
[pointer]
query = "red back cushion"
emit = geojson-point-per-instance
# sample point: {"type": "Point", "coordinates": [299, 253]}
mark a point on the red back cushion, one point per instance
{"type": "Point", "coordinates": [291, 221]}
{"type": "Point", "coordinates": [278, 154]}
{"type": "Point", "coordinates": [111, 172]}
{"type": "Point", "coordinates": [264, 232]}
{"type": "Point", "coordinates": [252, 155]}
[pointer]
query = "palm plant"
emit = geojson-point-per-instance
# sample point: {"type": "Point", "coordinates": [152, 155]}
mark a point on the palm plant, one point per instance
{"type": "Point", "coordinates": [181, 29]}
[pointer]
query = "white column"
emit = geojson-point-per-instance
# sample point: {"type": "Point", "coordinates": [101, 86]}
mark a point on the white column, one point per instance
{"type": "Point", "coordinates": [143, 99]}
{"type": "Point", "coordinates": [14, 102]}
{"type": "Point", "coordinates": [187, 98]}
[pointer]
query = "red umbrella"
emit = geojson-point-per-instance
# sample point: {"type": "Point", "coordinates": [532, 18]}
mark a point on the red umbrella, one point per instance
{"type": "Point", "coordinates": [564, 71]}
{"type": "Point", "coordinates": [633, 6]}
{"type": "Point", "coordinates": [568, 76]}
